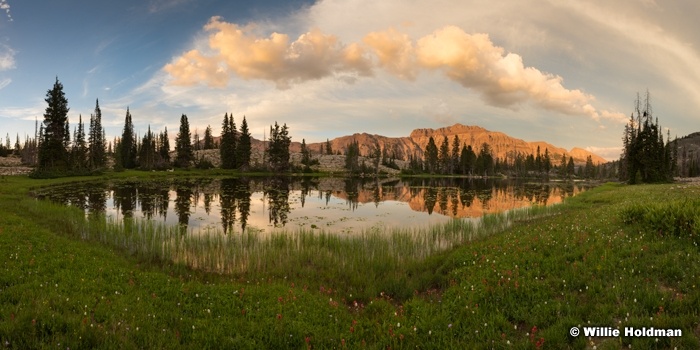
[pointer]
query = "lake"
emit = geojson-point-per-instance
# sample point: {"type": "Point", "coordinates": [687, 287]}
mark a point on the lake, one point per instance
{"type": "Point", "coordinates": [271, 204]}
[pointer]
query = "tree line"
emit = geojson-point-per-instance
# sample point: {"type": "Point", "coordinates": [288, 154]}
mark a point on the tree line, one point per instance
{"type": "Point", "coordinates": [55, 151]}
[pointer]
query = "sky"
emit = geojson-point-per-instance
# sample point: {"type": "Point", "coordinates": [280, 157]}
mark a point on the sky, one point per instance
{"type": "Point", "coordinates": [562, 71]}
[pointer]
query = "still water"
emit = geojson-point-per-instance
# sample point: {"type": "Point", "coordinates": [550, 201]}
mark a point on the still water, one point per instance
{"type": "Point", "coordinates": [329, 204]}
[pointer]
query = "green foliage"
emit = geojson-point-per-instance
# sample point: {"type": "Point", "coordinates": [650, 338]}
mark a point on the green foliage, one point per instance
{"type": "Point", "coordinates": [675, 218]}
{"type": "Point", "coordinates": [208, 138]}
{"type": "Point", "coordinates": [243, 149]}
{"type": "Point", "coordinates": [53, 155]}
{"type": "Point", "coordinates": [352, 157]}
{"type": "Point", "coordinates": [431, 156]}
{"type": "Point", "coordinates": [227, 147]}
{"type": "Point", "coordinates": [278, 149]}
{"type": "Point", "coordinates": [127, 151]}
{"type": "Point", "coordinates": [645, 157]}
{"type": "Point", "coordinates": [183, 145]}
{"type": "Point", "coordinates": [96, 139]}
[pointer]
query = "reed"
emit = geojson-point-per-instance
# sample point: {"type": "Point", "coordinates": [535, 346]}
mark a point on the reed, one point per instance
{"type": "Point", "coordinates": [371, 261]}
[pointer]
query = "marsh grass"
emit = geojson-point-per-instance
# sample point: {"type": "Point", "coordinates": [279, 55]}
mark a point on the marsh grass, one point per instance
{"type": "Point", "coordinates": [371, 262]}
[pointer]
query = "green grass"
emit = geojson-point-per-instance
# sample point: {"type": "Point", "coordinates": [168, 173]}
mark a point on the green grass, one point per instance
{"type": "Point", "coordinates": [593, 260]}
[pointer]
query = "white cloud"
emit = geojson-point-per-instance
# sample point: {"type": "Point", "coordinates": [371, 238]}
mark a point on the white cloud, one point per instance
{"type": "Point", "coordinates": [472, 60]}
{"type": "Point", "coordinates": [5, 82]}
{"type": "Point", "coordinates": [5, 6]}
{"type": "Point", "coordinates": [7, 58]}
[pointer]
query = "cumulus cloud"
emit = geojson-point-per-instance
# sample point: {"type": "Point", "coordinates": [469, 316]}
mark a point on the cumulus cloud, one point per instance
{"type": "Point", "coordinates": [237, 51]}
{"type": "Point", "coordinates": [5, 6]}
{"type": "Point", "coordinates": [471, 60]}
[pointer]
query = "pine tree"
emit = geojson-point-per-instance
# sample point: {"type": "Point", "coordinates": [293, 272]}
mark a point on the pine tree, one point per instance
{"type": "Point", "coordinates": [183, 145]}
{"type": "Point", "coordinates": [128, 143]}
{"type": "Point", "coordinates": [52, 152]}
{"type": "Point", "coordinates": [484, 161]}
{"type": "Point", "coordinates": [329, 148]}
{"type": "Point", "coordinates": [96, 153]}
{"type": "Point", "coordinates": [79, 150]}
{"type": "Point", "coordinates": [243, 148]}
{"type": "Point", "coordinates": [147, 152]}
{"type": "Point", "coordinates": [546, 162]}
{"type": "Point", "coordinates": [645, 156]}
{"type": "Point", "coordinates": [431, 156]}
{"type": "Point", "coordinates": [305, 156]}
{"type": "Point", "coordinates": [227, 147]}
{"type": "Point", "coordinates": [208, 138]}
{"type": "Point", "coordinates": [278, 153]}
{"type": "Point", "coordinates": [454, 164]}
{"type": "Point", "coordinates": [570, 168]}
{"type": "Point", "coordinates": [352, 157]}
{"type": "Point", "coordinates": [164, 148]}
{"type": "Point", "coordinates": [444, 158]}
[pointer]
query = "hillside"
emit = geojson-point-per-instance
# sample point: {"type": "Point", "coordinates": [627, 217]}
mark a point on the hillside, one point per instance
{"type": "Point", "coordinates": [501, 144]}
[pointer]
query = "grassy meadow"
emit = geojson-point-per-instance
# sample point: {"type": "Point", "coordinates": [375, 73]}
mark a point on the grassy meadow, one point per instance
{"type": "Point", "coordinates": [615, 256]}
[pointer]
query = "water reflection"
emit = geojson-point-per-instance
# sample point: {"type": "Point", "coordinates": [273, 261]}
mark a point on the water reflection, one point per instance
{"type": "Point", "coordinates": [332, 204]}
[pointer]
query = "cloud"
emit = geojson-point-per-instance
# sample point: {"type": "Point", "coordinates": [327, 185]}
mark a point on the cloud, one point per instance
{"type": "Point", "coordinates": [5, 6]}
{"type": "Point", "coordinates": [7, 58]}
{"type": "Point", "coordinates": [5, 82]}
{"type": "Point", "coordinates": [471, 60]}
{"type": "Point", "coordinates": [237, 51]}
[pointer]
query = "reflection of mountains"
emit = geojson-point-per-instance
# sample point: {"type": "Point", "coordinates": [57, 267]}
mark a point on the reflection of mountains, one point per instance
{"type": "Point", "coordinates": [462, 202]}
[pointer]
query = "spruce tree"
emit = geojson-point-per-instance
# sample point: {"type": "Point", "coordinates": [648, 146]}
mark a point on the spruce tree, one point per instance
{"type": "Point", "coordinates": [96, 153]}
{"type": "Point", "coordinates": [431, 156]}
{"type": "Point", "coordinates": [227, 146]}
{"type": "Point", "coordinates": [164, 148]}
{"type": "Point", "coordinates": [208, 138]}
{"type": "Point", "coordinates": [183, 145]}
{"type": "Point", "coordinates": [243, 149]}
{"type": "Point", "coordinates": [79, 150]}
{"type": "Point", "coordinates": [444, 156]}
{"type": "Point", "coordinates": [278, 151]}
{"type": "Point", "coordinates": [128, 143]}
{"type": "Point", "coordinates": [52, 152]}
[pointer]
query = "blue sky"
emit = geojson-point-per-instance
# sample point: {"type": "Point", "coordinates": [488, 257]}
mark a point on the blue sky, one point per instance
{"type": "Point", "coordinates": [565, 72]}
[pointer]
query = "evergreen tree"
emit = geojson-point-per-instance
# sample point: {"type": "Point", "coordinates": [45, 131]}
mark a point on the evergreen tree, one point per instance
{"type": "Point", "coordinates": [227, 148]}
{"type": "Point", "coordinates": [570, 168]}
{"type": "Point", "coordinates": [52, 152]}
{"type": "Point", "coordinates": [79, 150]}
{"type": "Point", "coordinates": [96, 153]}
{"type": "Point", "coordinates": [562, 166]}
{"type": "Point", "coordinates": [208, 138]}
{"type": "Point", "coordinates": [546, 162]}
{"type": "Point", "coordinates": [645, 156]}
{"type": "Point", "coordinates": [243, 148]}
{"type": "Point", "coordinates": [444, 157]}
{"type": "Point", "coordinates": [352, 157]}
{"type": "Point", "coordinates": [127, 151]}
{"type": "Point", "coordinates": [431, 156]}
{"type": "Point", "coordinates": [454, 163]}
{"type": "Point", "coordinates": [329, 148]}
{"type": "Point", "coordinates": [197, 142]}
{"type": "Point", "coordinates": [278, 151]}
{"type": "Point", "coordinates": [183, 145]}
{"type": "Point", "coordinates": [305, 156]}
{"type": "Point", "coordinates": [485, 161]}
{"type": "Point", "coordinates": [147, 151]}
{"type": "Point", "coordinates": [164, 148]}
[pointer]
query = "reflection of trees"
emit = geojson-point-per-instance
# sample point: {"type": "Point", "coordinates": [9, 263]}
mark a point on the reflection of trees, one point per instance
{"type": "Point", "coordinates": [352, 186]}
{"type": "Point", "coordinates": [227, 199]}
{"type": "Point", "coordinates": [442, 200]}
{"type": "Point", "coordinates": [430, 197]}
{"type": "Point", "coordinates": [147, 197]}
{"type": "Point", "coordinates": [376, 193]}
{"type": "Point", "coordinates": [97, 199]}
{"type": "Point", "coordinates": [277, 193]}
{"type": "Point", "coordinates": [243, 195]}
{"type": "Point", "coordinates": [125, 198]}
{"type": "Point", "coordinates": [454, 202]}
{"type": "Point", "coordinates": [183, 201]}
